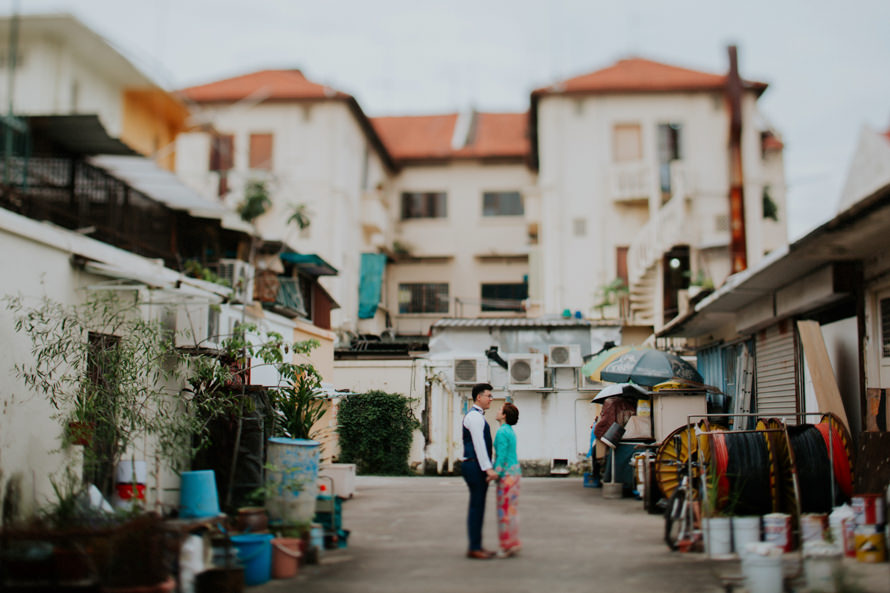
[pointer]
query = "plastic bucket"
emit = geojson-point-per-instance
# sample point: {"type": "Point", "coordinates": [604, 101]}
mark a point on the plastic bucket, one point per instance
{"type": "Point", "coordinates": [812, 527]}
{"type": "Point", "coordinates": [255, 555]}
{"type": "Point", "coordinates": [777, 530]}
{"type": "Point", "coordinates": [197, 494]}
{"type": "Point", "coordinates": [292, 480]}
{"type": "Point", "coordinates": [869, 509]}
{"type": "Point", "coordinates": [718, 537]}
{"type": "Point", "coordinates": [870, 544]}
{"type": "Point", "coordinates": [285, 557]}
{"type": "Point", "coordinates": [745, 530]}
{"type": "Point", "coordinates": [763, 573]}
{"type": "Point", "coordinates": [822, 563]}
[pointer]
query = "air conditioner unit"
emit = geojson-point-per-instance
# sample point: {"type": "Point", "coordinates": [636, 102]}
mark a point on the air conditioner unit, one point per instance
{"type": "Point", "coordinates": [239, 274]}
{"type": "Point", "coordinates": [565, 355]}
{"type": "Point", "coordinates": [197, 326]}
{"type": "Point", "coordinates": [469, 371]}
{"type": "Point", "coordinates": [525, 371]}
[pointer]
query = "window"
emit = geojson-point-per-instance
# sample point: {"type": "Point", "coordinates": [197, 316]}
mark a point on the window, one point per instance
{"type": "Point", "coordinates": [423, 298]}
{"type": "Point", "coordinates": [432, 204]}
{"type": "Point", "coordinates": [668, 151]}
{"type": "Point", "coordinates": [502, 203]}
{"type": "Point", "coordinates": [222, 151]}
{"type": "Point", "coordinates": [503, 297]}
{"type": "Point", "coordinates": [627, 143]}
{"type": "Point", "coordinates": [261, 152]}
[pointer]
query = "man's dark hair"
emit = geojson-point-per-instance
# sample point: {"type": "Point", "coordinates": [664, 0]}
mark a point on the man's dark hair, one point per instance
{"type": "Point", "coordinates": [479, 388]}
{"type": "Point", "coordinates": [511, 414]}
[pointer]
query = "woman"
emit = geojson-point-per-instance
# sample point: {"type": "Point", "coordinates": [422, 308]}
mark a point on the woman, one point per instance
{"type": "Point", "coordinates": [506, 465]}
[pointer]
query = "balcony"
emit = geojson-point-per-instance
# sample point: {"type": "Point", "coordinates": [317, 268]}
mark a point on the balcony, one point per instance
{"type": "Point", "coordinates": [631, 182]}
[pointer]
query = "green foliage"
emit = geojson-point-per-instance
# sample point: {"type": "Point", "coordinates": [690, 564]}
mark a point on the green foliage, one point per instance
{"type": "Point", "coordinates": [195, 269]}
{"type": "Point", "coordinates": [770, 209]}
{"type": "Point", "coordinates": [609, 293]}
{"type": "Point", "coordinates": [376, 430]}
{"type": "Point", "coordinates": [300, 216]}
{"type": "Point", "coordinates": [298, 405]}
{"type": "Point", "coordinates": [256, 201]}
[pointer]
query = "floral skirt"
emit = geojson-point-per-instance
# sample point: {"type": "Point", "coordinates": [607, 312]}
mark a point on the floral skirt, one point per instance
{"type": "Point", "coordinates": [508, 512]}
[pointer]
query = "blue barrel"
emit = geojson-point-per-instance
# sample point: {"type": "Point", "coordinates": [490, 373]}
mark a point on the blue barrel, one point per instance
{"type": "Point", "coordinates": [255, 555]}
{"type": "Point", "coordinates": [197, 495]}
{"type": "Point", "coordinates": [291, 479]}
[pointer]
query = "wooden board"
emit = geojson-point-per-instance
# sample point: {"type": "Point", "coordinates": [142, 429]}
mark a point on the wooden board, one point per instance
{"type": "Point", "coordinates": [828, 396]}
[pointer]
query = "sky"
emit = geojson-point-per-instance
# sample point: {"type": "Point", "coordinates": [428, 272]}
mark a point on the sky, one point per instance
{"type": "Point", "coordinates": [827, 63]}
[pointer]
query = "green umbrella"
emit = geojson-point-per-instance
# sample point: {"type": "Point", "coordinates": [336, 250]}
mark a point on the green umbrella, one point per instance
{"type": "Point", "coordinates": [648, 367]}
{"type": "Point", "coordinates": [593, 366]}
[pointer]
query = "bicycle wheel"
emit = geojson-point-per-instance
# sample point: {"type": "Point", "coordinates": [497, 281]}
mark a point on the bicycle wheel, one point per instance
{"type": "Point", "coordinates": [675, 517]}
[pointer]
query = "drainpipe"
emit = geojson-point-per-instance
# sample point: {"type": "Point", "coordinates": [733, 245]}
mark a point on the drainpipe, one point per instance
{"type": "Point", "coordinates": [738, 249]}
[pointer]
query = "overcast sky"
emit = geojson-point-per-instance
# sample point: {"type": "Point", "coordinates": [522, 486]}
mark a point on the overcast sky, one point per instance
{"type": "Point", "coordinates": [827, 62]}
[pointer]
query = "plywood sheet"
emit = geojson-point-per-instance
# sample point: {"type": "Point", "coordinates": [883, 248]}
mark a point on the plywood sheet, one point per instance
{"type": "Point", "coordinates": [828, 396]}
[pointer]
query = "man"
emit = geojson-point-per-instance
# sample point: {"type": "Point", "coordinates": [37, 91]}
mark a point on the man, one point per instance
{"type": "Point", "coordinates": [476, 467]}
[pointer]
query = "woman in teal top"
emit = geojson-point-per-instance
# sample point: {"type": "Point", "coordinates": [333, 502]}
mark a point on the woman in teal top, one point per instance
{"type": "Point", "coordinates": [506, 465]}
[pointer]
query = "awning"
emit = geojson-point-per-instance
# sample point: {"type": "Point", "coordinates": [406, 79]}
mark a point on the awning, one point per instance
{"type": "Point", "coordinates": [79, 134]}
{"type": "Point", "coordinates": [309, 263]}
{"type": "Point", "coordinates": [370, 283]}
{"type": "Point", "coordinates": [144, 175]}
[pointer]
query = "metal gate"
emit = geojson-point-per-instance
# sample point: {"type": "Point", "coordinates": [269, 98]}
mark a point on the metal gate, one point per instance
{"type": "Point", "coordinates": [776, 376]}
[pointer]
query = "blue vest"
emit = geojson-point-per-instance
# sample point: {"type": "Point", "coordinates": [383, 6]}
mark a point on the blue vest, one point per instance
{"type": "Point", "coordinates": [469, 450]}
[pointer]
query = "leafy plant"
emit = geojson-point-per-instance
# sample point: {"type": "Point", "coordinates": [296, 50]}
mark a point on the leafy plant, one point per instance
{"type": "Point", "coordinates": [376, 431]}
{"type": "Point", "coordinates": [609, 294]}
{"type": "Point", "coordinates": [195, 269]}
{"type": "Point", "coordinates": [298, 405]}
{"type": "Point", "coordinates": [300, 216]}
{"type": "Point", "coordinates": [770, 209]}
{"type": "Point", "coordinates": [256, 201]}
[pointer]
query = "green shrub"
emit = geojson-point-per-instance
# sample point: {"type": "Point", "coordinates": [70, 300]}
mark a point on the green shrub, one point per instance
{"type": "Point", "coordinates": [376, 430]}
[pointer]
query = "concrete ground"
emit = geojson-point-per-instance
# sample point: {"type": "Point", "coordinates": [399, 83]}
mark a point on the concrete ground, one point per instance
{"type": "Point", "coordinates": [409, 535]}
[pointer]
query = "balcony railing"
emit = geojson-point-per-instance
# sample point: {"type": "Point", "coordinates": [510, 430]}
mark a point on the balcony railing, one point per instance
{"type": "Point", "coordinates": [631, 181]}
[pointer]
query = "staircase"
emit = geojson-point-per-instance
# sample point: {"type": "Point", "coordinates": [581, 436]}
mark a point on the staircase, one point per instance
{"type": "Point", "coordinates": [642, 297]}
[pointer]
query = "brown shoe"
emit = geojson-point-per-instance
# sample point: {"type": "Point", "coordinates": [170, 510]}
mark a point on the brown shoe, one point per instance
{"type": "Point", "coordinates": [478, 555]}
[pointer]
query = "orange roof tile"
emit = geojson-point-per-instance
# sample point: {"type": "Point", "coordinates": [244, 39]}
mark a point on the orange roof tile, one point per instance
{"type": "Point", "coordinates": [428, 137]}
{"type": "Point", "coordinates": [274, 84]}
{"type": "Point", "coordinates": [637, 75]}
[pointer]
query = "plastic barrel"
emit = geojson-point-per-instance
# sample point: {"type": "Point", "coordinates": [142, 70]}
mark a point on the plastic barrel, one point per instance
{"type": "Point", "coordinates": [255, 555]}
{"type": "Point", "coordinates": [292, 481]}
{"type": "Point", "coordinates": [197, 494]}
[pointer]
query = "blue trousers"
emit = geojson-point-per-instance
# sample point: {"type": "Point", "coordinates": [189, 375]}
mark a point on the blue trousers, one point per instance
{"type": "Point", "coordinates": [475, 479]}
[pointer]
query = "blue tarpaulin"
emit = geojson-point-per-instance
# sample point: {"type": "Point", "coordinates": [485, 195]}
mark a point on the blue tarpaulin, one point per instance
{"type": "Point", "coordinates": [370, 283]}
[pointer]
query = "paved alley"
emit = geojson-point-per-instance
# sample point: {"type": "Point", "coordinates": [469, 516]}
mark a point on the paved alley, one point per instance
{"type": "Point", "coordinates": [409, 535]}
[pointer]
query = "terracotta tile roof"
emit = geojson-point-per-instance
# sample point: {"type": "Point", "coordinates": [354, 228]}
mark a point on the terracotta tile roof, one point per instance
{"type": "Point", "coordinates": [638, 75]}
{"type": "Point", "coordinates": [275, 84]}
{"type": "Point", "coordinates": [429, 137]}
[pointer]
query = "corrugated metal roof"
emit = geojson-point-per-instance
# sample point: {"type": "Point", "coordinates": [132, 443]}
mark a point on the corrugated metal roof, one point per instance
{"type": "Point", "coordinates": [511, 322]}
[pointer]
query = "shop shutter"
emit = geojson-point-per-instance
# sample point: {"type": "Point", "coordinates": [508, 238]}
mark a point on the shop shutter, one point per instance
{"type": "Point", "coordinates": [776, 372]}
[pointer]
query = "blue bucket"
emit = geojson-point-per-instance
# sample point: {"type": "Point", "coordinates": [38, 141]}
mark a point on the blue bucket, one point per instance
{"type": "Point", "coordinates": [197, 495]}
{"type": "Point", "coordinates": [255, 555]}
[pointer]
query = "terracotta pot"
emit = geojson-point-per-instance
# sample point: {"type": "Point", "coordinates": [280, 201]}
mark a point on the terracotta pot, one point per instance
{"type": "Point", "coordinates": [285, 557]}
{"type": "Point", "coordinates": [252, 520]}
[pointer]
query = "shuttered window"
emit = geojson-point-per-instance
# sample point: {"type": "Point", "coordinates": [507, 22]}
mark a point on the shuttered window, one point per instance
{"type": "Point", "coordinates": [261, 151]}
{"type": "Point", "coordinates": [222, 152]}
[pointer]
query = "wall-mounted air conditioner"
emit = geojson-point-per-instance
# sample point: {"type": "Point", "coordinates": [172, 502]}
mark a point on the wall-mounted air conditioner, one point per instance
{"type": "Point", "coordinates": [239, 274]}
{"type": "Point", "coordinates": [197, 326]}
{"type": "Point", "coordinates": [564, 355]}
{"type": "Point", "coordinates": [469, 371]}
{"type": "Point", "coordinates": [525, 371]}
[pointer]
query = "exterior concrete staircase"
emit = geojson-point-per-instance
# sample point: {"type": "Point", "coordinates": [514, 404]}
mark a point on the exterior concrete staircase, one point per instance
{"type": "Point", "coordinates": [642, 297]}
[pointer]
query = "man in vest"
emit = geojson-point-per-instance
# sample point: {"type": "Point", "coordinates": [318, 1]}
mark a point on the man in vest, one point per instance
{"type": "Point", "coordinates": [476, 467]}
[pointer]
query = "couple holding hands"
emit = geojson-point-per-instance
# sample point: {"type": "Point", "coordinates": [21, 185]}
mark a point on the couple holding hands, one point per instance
{"type": "Point", "coordinates": [478, 470]}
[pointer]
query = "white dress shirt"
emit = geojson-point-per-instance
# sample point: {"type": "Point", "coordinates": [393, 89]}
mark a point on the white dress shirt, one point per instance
{"type": "Point", "coordinates": [474, 421]}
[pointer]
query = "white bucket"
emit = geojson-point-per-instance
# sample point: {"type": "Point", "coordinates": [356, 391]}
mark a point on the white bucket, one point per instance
{"type": "Point", "coordinates": [745, 530]}
{"type": "Point", "coordinates": [762, 568]}
{"type": "Point", "coordinates": [718, 537]}
{"type": "Point", "coordinates": [842, 521]}
{"type": "Point", "coordinates": [777, 530]}
{"type": "Point", "coordinates": [822, 563]}
{"type": "Point", "coordinates": [812, 527]}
